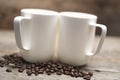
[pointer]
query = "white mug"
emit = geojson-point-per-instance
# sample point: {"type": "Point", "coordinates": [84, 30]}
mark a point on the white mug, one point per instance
{"type": "Point", "coordinates": [76, 37]}
{"type": "Point", "coordinates": [35, 32]}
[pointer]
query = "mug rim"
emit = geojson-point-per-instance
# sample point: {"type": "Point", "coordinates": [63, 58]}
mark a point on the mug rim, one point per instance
{"type": "Point", "coordinates": [82, 15]}
{"type": "Point", "coordinates": [39, 11]}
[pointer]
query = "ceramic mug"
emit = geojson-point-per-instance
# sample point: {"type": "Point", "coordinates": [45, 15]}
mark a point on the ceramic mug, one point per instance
{"type": "Point", "coordinates": [76, 37]}
{"type": "Point", "coordinates": [35, 32]}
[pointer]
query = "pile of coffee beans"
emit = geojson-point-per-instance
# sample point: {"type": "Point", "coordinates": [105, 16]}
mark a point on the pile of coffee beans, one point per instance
{"type": "Point", "coordinates": [17, 62]}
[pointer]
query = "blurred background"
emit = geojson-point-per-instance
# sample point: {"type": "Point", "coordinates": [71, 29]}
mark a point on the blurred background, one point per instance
{"type": "Point", "coordinates": [108, 11]}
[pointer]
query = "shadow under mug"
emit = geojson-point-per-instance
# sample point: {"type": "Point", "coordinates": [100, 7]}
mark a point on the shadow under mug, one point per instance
{"type": "Point", "coordinates": [76, 37]}
{"type": "Point", "coordinates": [35, 32]}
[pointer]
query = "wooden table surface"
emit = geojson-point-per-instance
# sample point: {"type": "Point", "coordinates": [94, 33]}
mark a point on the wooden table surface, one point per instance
{"type": "Point", "coordinates": [105, 65]}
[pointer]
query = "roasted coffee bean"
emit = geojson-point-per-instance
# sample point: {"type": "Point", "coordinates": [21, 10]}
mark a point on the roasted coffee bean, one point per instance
{"type": "Point", "coordinates": [36, 74]}
{"type": "Point", "coordinates": [48, 73]}
{"type": "Point", "coordinates": [90, 73]}
{"type": "Point", "coordinates": [36, 68]}
{"type": "Point", "coordinates": [2, 62]}
{"type": "Point", "coordinates": [33, 70]}
{"type": "Point", "coordinates": [52, 71]}
{"type": "Point", "coordinates": [73, 70]}
{"type": "Point", "coordinates": [1, 65]}
{"type": "Point", "coordinates": [72, 74]}
{"type": "Point", "coordinates": [8, 70]}
{"type": "Point", "coordinates": [20, 70]}
{"type": "Point", "coordinates": [29, 72]}
{"type": "Point", "coordinates": [80, 74]}
{"type": "Point", "coordinates": [32, 65]}
{"type": "Point", "coordinates": [19, 66]}
{"type": "Point", "coordinates": [47, 70]}
{"type": "Point", "coordinates": [66, 72]}
{"type": "Point", "coordinates": [58, 73]}
{"type": "Point", "coordinates": [84, 73]}
{"type": "Point", "coordinates": [41, 71]}
{"type": "Point", "coordinates": [28, 66]}
{"type": "Point", "coordinates": [76, 74]}
{"type": "Point", "coordinates": [53, 65]}
{"type": "Point", "coordinates": [59, 67]}
{"type": "Point", "coordinates": [56, 69]}
{"type": "Point", "coordinates": [61, 70]}
{"type": "Point", "coordinates": [87, 77]}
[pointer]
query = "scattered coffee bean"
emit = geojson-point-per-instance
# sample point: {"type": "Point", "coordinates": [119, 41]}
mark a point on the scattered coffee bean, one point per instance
{"type": "Point", "coordinates": [90, 73]}
{"type": "Point", "coordinates": [52, 71]}
{"type": "Point", "coordinates": [48, 73]}
{"type": "Point", "coordinates": [41, 71]}
{"type": "Point", "coordinates": [16, 61]}
{"type": "Point", "coordinates": [36, 69]}
{"type": "Point", "coordinates": [1, 65]}
{"type": "Point", "coordinates": [29, 72]}
{"type": "Point", "coordinates": [36, 74]}
{"type": "Point", "coordinates": [32, 65]}
{"type": "Point", "coordinates": [59, 67]}
{"type": "Point", "coordinates": [20, 70]}
{"type": "Point", "coordinates": [58, 73]}
{"type": "Point", "coordinates": [8, 70]}
{"type": "Point", "coordinates": [33, 70]}
{"type": "Point", "coordinates": [80, 74]}
{"type": "Point", "coordinates": [87, 77]}
{"type": "Point", "coordinates": [66, 72]}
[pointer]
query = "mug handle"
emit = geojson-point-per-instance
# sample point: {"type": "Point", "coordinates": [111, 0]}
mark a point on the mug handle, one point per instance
{"type": "Point", "coordinates": [103, 34]}
{"type": "Point", "coordinates": [19, 21]}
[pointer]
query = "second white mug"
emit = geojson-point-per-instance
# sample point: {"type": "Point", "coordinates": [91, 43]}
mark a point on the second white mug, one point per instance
{"type": "Point", "coordinates": [77, 32]}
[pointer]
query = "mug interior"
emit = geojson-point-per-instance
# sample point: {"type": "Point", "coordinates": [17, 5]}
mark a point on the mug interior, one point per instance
{"type": "Point", "coordinates": [39, 11]}
{"type": "Point", "coordinates": [79, 15]}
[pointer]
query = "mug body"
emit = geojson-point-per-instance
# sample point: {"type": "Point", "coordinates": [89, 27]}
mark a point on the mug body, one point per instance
{"type": "Point", "coordinates": [40, 37]}
{"type": "Point", "coordinates": [76, 37]}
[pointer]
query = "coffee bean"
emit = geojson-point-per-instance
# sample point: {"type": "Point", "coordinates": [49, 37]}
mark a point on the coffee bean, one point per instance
{"type": "Point", "coordinates": [40, 71]}
{"type": "Point", "coordinates": [56, 69]}
{"type": "Point", "coordinates": [20, 70]}
{"type": "Point", "coordinates": [61, 70]}
{"type": "Point", "coordinates": [72, 74]}
{"type": "Point", "coordinates": [80, 74]}
{"type": "Point", "coordinates": [53, 65]}
{"type": "Point", "coordinates": [48, 66]}
{"type": "Point", "coordinates": [52, 71]}
{"type": "Point", "coordinates": [66, 72]}
{"type": "Point", "coordinates": [32, 65]}
{"type": "Point", "coordinates": [36, 74]}
{"type": "Point", "coordinates": [28, 67]}
{"type": "Point", "coordinates": [48, 73]}
{"type": "Point", "coordinates": [37, 69]}
{"type": "Point", "coordinates": [76, 74]}
{"type": "Point", "coordinates": [84, 73]}
{"type": "Point", "coordinates": [8, 70]}
{"type": "Point", "coordinates": [73, 70]}
{"type": "Point", "coordinates": [47, 70]}
{"type": "Point", "coordinates": [58, 73]}
{"type": "Point", "coordinates": [29, 73]}
{"type": "Point", "coordinates": [90, 73]}
{"type": "Point", "coordinates": [87, 77]}
{"type": "Point", "coordinates": [59, 66]}
{"type": "Point", "coordinates": [1, 65]}
{"type": "Point", "coordinates": [33, 70]}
